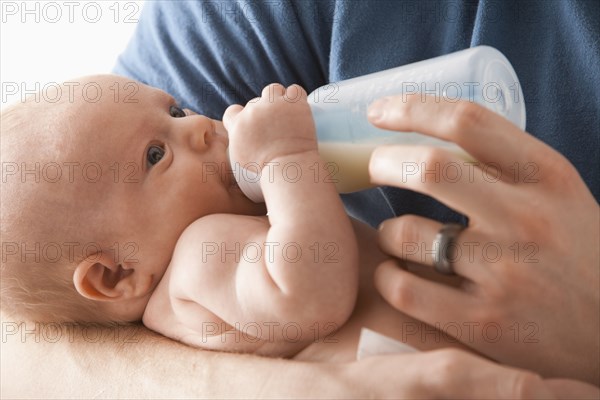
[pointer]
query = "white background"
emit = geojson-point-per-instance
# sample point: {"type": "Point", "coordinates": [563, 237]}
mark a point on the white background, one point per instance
{"type": "Point", "coordinates": [42, 42]}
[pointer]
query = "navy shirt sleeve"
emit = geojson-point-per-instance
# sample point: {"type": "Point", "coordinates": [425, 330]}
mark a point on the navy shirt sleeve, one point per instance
{"type": "Point", "coordinates": [212, 54]}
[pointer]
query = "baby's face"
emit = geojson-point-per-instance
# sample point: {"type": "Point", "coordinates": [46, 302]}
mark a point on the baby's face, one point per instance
{"type": "Point", "coordinates": [162, 168]}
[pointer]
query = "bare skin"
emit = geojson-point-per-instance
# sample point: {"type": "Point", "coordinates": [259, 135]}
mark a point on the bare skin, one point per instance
{"type": "Point", "coordinates": [219, 301]}
{"type": "Point", "coordinates": [158, 367]}
{"type": "Point", "coordinates": [538, 213]}
{"type": "Point", "coordinates": [205, 297]}
{"type": "Point", "coordinates": [155, 366]}
{"type": "Point", "coordinates": [175, 148]}
{"type": "Point", "coordinates": [373, 312]}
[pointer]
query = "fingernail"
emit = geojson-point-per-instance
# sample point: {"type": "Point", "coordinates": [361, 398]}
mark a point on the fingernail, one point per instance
{"type": "Point", "coordinates": [376, 109]}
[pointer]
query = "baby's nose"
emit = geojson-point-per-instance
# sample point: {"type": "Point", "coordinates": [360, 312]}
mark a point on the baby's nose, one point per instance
{"type": "Point", "coordinates": [198, 139]}
{"type": "Point", "coordinates": [198, 131]}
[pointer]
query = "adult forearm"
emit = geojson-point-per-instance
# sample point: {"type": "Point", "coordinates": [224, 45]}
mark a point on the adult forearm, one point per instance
{"type": "Point", "coordinates": [132, 362]}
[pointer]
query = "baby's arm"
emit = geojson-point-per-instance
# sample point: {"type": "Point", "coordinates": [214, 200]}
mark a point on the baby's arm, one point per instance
{"type": "Point", "coordinates": [295, 278]}
{"type": "Point", "coordinates": [314, 270]}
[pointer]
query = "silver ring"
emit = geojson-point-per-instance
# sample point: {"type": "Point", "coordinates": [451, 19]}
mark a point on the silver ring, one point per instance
{"type": "Point", "coordinates": [442, 244]}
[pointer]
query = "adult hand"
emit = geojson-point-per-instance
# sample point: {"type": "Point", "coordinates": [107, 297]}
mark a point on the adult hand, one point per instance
{"type": "Point", "coordinates": [529, 257]}
{"type": "Point", "coordinates": [452, 374]}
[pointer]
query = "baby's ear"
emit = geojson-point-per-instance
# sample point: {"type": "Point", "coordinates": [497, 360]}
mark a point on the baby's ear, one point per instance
{"type": "Point", "coordinates": [99, 277]}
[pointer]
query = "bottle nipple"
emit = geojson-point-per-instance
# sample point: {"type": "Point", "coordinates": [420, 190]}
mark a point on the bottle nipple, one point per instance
{"type": "Point", "coordinates": [247, 180]}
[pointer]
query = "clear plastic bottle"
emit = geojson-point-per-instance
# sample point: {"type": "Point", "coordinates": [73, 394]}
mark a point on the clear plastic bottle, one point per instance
{"type": "Point", "coordinates": [346, 138]}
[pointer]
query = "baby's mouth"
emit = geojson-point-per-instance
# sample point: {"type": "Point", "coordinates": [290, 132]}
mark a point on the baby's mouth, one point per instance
{"type": "Point", "coordinates": [230, 175]}
{"type": "Point", "coordinates": [219, 131]}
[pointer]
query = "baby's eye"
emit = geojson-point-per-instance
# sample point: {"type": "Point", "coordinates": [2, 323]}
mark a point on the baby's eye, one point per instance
{"type": "Point", "coordinates": [155, 154]}
{"type": "Point", "coordinates": [176, 112]}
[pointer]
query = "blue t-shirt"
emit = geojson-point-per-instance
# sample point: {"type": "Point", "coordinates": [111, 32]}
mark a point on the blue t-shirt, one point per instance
{"type": "Point", "coordinates": [213, 54]}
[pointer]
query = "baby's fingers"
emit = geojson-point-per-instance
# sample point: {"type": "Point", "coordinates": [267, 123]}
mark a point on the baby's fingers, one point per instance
{"type": "Point", "coordinates": [295, 93]}
{"type": "Point", "coordinates": [230, 115]}
{"type": "Point", "coordinates": [271, 91]}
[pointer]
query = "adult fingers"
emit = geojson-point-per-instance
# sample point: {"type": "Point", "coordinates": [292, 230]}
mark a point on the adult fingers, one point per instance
{"type": "Point", "coordinates": [411, 237]}
{"type": "Point", "coordinates": [447, 374]}
{"type": "Point", "coordinates": [571, 389]}
{"type": "Point", "coordinates": [412, 295]}
{"type": "Point", "coordinates": [442, 175]}
{"type": "Point", "coordinates": [485, 135]}
{"type": "Point", "coordinates": [457, 374]}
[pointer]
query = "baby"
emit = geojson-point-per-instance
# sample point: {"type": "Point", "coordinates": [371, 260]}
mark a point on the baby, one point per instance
{"type": "Point", "coordinates": [118, 205]}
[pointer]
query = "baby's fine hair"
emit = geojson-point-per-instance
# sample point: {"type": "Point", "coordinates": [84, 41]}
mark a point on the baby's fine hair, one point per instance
{"type": "Point", "coordinates": [36, 284]}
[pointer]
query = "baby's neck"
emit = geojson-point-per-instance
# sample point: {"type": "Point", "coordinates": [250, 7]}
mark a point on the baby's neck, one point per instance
{"type": "Point", "coordinates": [130, 310]}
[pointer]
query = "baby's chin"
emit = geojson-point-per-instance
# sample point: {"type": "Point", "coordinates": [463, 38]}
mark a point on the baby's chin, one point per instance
{"type": "Point", "coordinates": [233, 185]}
{"type": "Point", "coordinates": [247, 206]}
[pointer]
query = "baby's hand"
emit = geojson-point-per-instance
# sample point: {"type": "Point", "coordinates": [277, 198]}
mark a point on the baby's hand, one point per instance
{"type": "Point", "coordinates": [277, 124]}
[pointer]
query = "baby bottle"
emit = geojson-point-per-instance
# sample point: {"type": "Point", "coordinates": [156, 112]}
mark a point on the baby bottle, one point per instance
{"type": "Point", "coordinates": [346, 138]}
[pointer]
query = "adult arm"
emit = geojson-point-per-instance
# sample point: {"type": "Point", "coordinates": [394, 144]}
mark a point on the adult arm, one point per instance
{"type": "Point", "coordinates": [529, 256]}
{"type": "Point", "coordinates": [132, 362]}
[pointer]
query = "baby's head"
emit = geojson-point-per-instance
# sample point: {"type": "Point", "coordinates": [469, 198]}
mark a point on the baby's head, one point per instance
{"type": "Point", "coordinates": [99, 179]}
